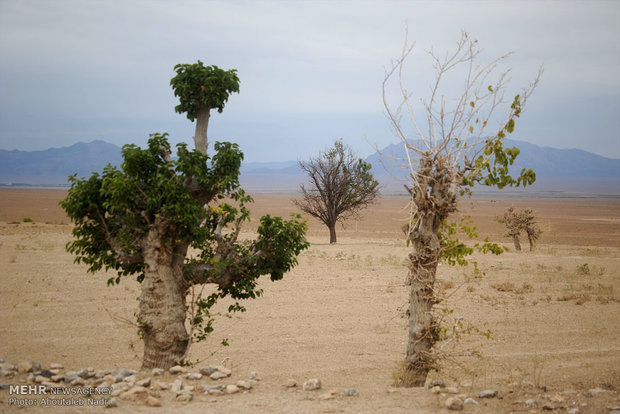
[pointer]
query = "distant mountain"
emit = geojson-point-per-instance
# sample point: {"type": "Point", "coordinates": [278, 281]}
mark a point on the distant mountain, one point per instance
{"type": "Point", "coordinates": [558, 171]}
{"type": "Point", "coordinates": [54, 165]}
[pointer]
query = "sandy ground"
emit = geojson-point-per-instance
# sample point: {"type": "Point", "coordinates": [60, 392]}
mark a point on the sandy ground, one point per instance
{"type": "Point", "coordinates": [339, 316]}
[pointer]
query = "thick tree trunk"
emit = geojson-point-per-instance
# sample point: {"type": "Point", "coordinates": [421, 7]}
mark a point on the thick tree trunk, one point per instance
{"type": "Point", "coordinates": [332, 234]}
{"type": "Point", "coordinates": [422, 268]}
{"type": "Point", "coordinates": [515, 239]}
{"type": "Point", "coordinates": [202, 123]}
{"type": "Point", "coordinates": [162, 302]}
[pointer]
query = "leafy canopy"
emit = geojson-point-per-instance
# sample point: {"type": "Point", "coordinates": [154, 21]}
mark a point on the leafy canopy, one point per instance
{"type": "Point", "coordinates": [114, 211]}
{"type": "Point", "coordinates": [197, 85]}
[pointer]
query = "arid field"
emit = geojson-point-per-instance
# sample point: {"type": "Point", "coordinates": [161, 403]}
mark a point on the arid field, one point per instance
{"type": "Point", "coordinates": [553, 315]}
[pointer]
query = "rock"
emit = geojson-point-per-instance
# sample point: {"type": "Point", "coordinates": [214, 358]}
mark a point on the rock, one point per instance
{"type": "Point", "coordinates": [224, 370]}
{"type": "Point", "coordinates": [131, 379]}
{"type": "Point", "coordinates": [123, 373]}
{"type": "Point", "coordinates": [55, 365]}
{"type": "Point", "coordinates": [177, 369]}
{"type": "Point", "coordinates": [595, 392]}
{"type": "Point", "coordinates": [488, 394]}
{"type": "Point", "coordinates": [214, 392]}
{"type": "Point", "coordinates": [470, 401]}
{"type": "Point", "coordinates": [328, 395]}
{"type": "Point", "coordinates": [548, 407]}
{"type": "Point", "coordinates": [451, 390]}
{"type": "Point", "coordinates": [206, 371]}
{"type": "Point", "coordinates": [176, 386]}
{"type": "Point", "coordinates": [144, 383]}
{"type": "Point", "coordinates": [135, 394]}
{"type": "Point", "coordinates": [40, 379]}
{"type": "Point", "coordinates": [246, 385]}
{"type": "Point", "coordinates": [454, 404]}
{"type": "Point", "coordinates": [218, 375]}
{"type": "Point", "coordinates": [312, 384]}
{"type": "Point", "coordinates": [4, 386]}
{"type": "Point", "coordinates": [193, 376]}
{"type": "Point", "coordinates": [113, 403]}
{"type": "Point", "coordinates": [78, 382]}
{"type": "Point", "coordinates": [349, 392]}
{"type": "Point", "coordinates": [152, 401]}
{"type": "Point", "coordinates": [231, 389]}
{"type": "Point", "coordinates": [58, 378]}
{"type": "Point", "coordinates": [119, 387]}
{"type": "Point", "coordinates": [184, 395]}
{"type": "Point", "coordinates": [157, 372]}
{"type": "Point", "coordinates": [24, 367]}
{"type": "Point", "coordinates": [159, 386]}
{"type": "Point", "coordinates": [531, 403]}
{"type": "Point", "coordinates": [574, 410]}
{"type": "Point", "coordinates": [86, 373]}
{"type": "Point", "coordinates": [46, 373]}
{"type": "Point", "coordinates": [6, 367]}
{"type": "Point", "coordinates": [206, 388]}
{"type": "Point", "coordinates": [436, 389]}
{"type": "Point", "coordinates": [291, 383]}
{"type": "Point", "coordinates": [254, 376]}
{"type": "Point", "coordinates": [437, 383]}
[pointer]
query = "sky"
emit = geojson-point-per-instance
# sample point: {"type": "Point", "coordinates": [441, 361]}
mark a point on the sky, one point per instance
{"type": "Point", "coordinates": [311, 71]}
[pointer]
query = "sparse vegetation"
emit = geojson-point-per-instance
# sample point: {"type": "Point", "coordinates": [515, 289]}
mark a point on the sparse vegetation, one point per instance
{"type": "Point", "coordinates": [518, 221]}
{"type": "Point", "coordinates": [340, 186]}
{"type": "Point", "coordinates": [27, 220]}
{"type": "Point", "coordinates": [143, 219]}
{"type": "Point", "coordinates": [446, 157]}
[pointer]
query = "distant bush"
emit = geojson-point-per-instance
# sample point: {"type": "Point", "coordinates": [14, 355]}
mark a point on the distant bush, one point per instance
{"type": "Point", "coordinates": [27, 220]}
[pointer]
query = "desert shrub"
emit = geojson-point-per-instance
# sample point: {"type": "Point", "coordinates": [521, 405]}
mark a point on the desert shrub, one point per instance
{"type": "Point", "coordinates": [28, 220]}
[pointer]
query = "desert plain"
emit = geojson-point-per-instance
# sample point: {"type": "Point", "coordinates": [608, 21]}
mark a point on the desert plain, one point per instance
{"type": "Point", "coordinates": [552, 315]}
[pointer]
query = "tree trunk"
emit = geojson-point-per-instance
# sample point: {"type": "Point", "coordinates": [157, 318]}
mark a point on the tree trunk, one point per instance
{"type": "Point", "coordinates": [532, 244]}
{"type": "Point", "coordinates": [515, 239]}
{"type": "Point", "coordinates": [422, 268]}
{"type": "Point", "coordinates": [332, 234]}
{"type": "Point", "coordinates": [162, 302]}
{"type": "Point", "coordinates": [202, 123]}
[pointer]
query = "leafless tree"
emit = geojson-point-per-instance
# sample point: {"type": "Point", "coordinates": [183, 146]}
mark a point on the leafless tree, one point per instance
{"type": "Point", "coordinates": [518, 221]}
{"type": "Point", "coordinates": [451, 144]}
{"type": "Point", "coordinates": [340, 186]}
{"type": "Point", "coordinates": [512, 221]}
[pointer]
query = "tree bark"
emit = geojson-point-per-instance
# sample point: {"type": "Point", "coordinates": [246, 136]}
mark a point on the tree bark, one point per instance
{"type": "Point", "coordinates": [515, 239]}
{"type": "Point", "coordinates": [332, 234]}
{"type": "Point", "coordinates": [162, 302]}
{"type": "Point", "coordinates": [422, 269]}
{"type": "Point", "coordinates": [202, 123]}
{"type": "Point", "coordinates": [532, 244]}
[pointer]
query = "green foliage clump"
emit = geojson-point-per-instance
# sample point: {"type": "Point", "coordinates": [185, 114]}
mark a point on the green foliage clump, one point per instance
{"type": "Point", "coordinates": [196, 85]}
{"type": "Point", "coordinates": [118, 212]}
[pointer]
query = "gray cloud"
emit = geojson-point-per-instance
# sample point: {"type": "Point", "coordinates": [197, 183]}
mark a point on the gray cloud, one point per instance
{"type": "Point", "coordinates": [310, 71]}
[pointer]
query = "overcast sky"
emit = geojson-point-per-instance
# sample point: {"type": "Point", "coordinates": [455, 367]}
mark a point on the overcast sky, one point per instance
{"type": "Point", "coordinates": [310, 71]}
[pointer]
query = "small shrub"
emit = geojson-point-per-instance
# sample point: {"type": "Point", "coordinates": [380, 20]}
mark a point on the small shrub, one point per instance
{"type": "Point", "coordinates": [27, 220]}
{"type": "Point", "coordinates": [583, 269]}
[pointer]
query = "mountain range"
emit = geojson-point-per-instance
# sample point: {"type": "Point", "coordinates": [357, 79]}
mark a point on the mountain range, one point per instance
{"type": "Point", "coordinates": [558, 171]}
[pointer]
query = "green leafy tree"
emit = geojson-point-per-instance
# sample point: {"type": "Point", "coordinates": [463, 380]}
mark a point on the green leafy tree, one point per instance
{"type": "Point", "coordinates": [142, 219]}
{"type": "Point", "coordinates": [454, 146]}
{"type": "Point", "coordinates": [199, 89]}
{"type": "Point", "coordinates": [340, 186]}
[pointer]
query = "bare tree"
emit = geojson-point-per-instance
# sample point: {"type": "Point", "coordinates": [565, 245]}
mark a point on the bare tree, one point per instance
{"type": "Point", "coordinates": [512, 221]}
{"type": "Point", "coordinates": [531, 227]}
{"type": "Point", "coordinates": [341, 185]}
{"type": "Point", "coordinates": [451, 144]}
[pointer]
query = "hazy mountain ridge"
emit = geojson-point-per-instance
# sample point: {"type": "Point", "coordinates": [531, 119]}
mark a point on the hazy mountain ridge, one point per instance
{"type": "Point", "coordinates": [557, 170]}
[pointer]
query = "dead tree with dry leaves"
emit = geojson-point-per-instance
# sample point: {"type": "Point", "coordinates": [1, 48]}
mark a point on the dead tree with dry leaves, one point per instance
{"type": "Point", "coordinates": [518, 221]}
{"type": "Point", "coordinates": [451, 143]}
{"type": "Point", "coordinates": [340, 186]}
